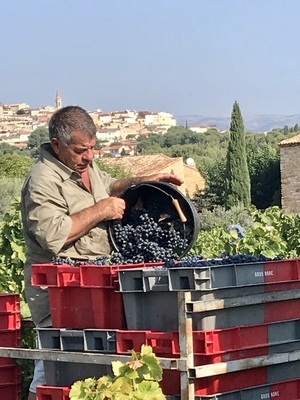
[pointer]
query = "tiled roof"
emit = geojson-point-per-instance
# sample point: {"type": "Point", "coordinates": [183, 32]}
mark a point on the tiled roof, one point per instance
{"type": "Point", "coordinates": [293, 141]}
{"type": "Point", "coordinates": [143, 165]}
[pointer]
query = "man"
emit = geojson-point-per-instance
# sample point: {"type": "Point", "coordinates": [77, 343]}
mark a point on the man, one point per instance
{"type": "Point", "coordinates": [65, 203]}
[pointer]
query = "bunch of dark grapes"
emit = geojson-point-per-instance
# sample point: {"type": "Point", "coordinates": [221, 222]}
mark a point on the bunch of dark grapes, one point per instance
{"type": "Point", "coordinates": [151, 252]}
{"type": "Point", "coordinates": [197, 260]}
{"type": "Point", "coordinates": [144, 239]}
{"type": "Point", "coordinates": [100, 260]}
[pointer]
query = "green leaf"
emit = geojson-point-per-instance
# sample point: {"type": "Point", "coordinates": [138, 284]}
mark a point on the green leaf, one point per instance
{"type": "Point", "coordinates": [117, 367]}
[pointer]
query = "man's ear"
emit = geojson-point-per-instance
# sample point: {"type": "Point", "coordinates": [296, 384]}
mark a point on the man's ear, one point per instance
{"type": "Point", "coordinates": [55, 145]}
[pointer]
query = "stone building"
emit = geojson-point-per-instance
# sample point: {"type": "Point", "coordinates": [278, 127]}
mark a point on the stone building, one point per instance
{"type": "Point", "coordinates": [290, 174]}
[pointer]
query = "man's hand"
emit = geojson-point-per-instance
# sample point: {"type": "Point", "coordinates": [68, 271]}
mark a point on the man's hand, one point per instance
{"type": "Point", "coordinates": [111, 208]}
{"type": "Point", "coordinates": [104, 210]}
{"type": "Point", "coordinates": [122, 184]}
{"type": "Point", "coordinates": [169, 178]}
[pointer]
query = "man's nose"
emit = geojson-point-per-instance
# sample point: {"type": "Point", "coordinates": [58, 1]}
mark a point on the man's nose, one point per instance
{"type": "Point", "coordinates": [89, 154]}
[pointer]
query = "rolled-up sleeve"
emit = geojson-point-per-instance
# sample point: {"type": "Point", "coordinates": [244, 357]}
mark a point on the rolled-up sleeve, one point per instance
{"type": "Point", "coordinates": [47, 215]}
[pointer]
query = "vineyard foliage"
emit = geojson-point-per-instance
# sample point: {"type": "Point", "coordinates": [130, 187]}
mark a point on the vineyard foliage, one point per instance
{"type": "Point", "coordinates": [136, 379]}
{"type": "Point", "coordinates": [271, 233]}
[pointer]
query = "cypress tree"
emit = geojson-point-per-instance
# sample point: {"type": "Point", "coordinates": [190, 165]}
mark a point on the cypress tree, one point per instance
{"type": "Point", "coordinates": [238, 189]}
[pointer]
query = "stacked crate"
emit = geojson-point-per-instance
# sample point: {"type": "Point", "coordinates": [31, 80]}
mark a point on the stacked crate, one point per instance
{"type": "Point", "coordinates": [82, 299]}
{"type": "Point", "coordinates": [10, 336]}
{"type": "Point", "coordinates": [238, 312]}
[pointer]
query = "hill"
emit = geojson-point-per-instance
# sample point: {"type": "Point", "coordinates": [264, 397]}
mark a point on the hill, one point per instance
{"type": "Point", "coordinates": [253, 123]}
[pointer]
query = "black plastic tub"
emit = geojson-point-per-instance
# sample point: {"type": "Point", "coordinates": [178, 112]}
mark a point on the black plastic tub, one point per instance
{"type": "Point", "coordinates": [167, 202]}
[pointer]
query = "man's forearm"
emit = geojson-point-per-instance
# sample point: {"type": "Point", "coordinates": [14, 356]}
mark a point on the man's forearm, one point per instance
{"type": "Point", "coordinates": [82, 222]}
{"type": "Point", "coordinates": [104, 210]}
{"type": "Point", "coordinates": [122, 184]}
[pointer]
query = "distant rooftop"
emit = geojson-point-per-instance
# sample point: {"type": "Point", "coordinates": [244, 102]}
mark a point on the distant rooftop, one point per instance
{"type": "Point", "coordinates": [142, 165]}
{"type": "Point", "coordinates": [293, 141]}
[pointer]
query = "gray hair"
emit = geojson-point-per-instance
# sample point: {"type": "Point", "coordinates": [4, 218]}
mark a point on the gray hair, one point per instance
{"type": "Point", "coordinates": [68, 120]}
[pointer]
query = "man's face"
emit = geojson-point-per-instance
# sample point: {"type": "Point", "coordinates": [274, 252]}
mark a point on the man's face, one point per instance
{"type": "Point", "coordinates": [78, 154]}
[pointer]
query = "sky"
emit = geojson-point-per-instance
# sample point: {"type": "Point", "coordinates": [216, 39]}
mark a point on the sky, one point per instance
{"type": "Point", "coordinates": [186, 57]}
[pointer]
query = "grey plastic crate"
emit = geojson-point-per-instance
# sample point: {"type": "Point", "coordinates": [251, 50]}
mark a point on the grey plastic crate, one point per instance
{"type": "Point", "coordinates": [144, 280]}
{"type": "Point", "coordinates": [48, 338]}
{"type": "Point", "coordinates": [216, 277]}
{"type": "Point", "coordinates": [100, 340]}
{"type": "Point", "coordinates": [159, 310]}
{"type": "Point", "coordinates": [284, 371]}
{"type": "Point", "coordinates": [204, 278]}
{"type": "Point", "coordinates": [59, 373]}
{"type": "Point", "coordinates": [285, 331]}
{"type": "Point", "coordinates": [71, 340]}
{"type": "Point", "coordinates": [191, 278]}
{"type": "Point", "coordinates": [286, 347]}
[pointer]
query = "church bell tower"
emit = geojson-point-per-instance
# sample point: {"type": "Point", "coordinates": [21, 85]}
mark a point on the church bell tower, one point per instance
{"type": "Point", "coordinates": [58, 101]}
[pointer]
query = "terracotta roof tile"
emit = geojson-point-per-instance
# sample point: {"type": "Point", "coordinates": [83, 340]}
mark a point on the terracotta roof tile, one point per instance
{"type": "Point", "coordinates": [143, 165]}
{"type": "Point", "coordinates": [293, 141]}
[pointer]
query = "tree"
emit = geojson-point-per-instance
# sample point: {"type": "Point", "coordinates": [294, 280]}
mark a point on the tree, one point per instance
{"type": "Point", "coordinates": [285, 129]}
{"type": "Point", "coordinates": [264, 168]}
{"type": "Point", "coordinates": [36, 138]}
{"type": "Point", "coordinates": [6, 148]}
{"type": "Point", "coordinates": [237, 184]}
{"type": "Point", "coordinates": [15, 165]}
{"type": "Point", "coordinates": [114, 170]}
{"type": "Point", "coordinates": [214, 192]}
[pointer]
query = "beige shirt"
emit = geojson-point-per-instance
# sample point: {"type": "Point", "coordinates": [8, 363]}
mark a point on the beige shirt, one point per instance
{"type": "Point", "coordinates": [51, 193]}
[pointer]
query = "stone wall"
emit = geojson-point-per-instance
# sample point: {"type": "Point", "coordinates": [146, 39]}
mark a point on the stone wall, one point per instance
{"type": "Point", "coordinates": [290, 178]}
{"type": "Point", "coordinates": [193, 181]}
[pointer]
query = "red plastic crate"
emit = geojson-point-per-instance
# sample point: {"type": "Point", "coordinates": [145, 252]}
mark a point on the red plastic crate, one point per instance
{"type": "Point", "coordinates": [286, 390]}
{"type": "Point", "coordinates": [9, 302]}
{"type": "Point", "coordinates": [52, 275]}
{"type": "Point", "coordinates": [166, 344]}
{"type": "Point", "coordinates": [10, 374]}
{"type": "Point", "coordinates": [234, 381]}
{"type": "Point", "coordinates": [204, 359]}
{"type": "Point", "coordinates": [52, 392]}
{"type": "Point", "coordinates": [282, 270]}
{"type": "Point", "coordinates": [10, 338]}
{"type": "Point", "coordinates": [215, 384]}
{"type": "Point", "coordinates": [10, 320]}
{"type": "Point", "coordinates": [163, 343]}
{"type": "Point", "coordinates": [83, 308]}
{"type": "Point", "coordinates": [170, 383]}
{"type": "Point", "coordinates": [231, 381]}
{"type": "Point", "coordinates": [204, 342]}
{"type": "Point", "coordinates": [107, 276]}
{"type": "Point", "coordinates": [6, 361]}
{"type": "Point", "coordinates": [229, 339]}
{"type": "Point", "coordinates": [282, 310]}
{"type": "Point", "coordinates": [103, 276]}
{"type": "Point", "coordinates": [283, 390]}
{"type": "Point", "coordinates": [55, 275]}
{"type": "Point", "coordinates": [10, 391]}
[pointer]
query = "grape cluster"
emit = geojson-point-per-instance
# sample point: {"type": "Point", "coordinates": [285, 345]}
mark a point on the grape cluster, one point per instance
{"type": "Point", "coordinates": [197, 260]}
{"type": "Point", "coordinates": [166, 255]}
{"type": "Point", "coordinates": [101, 260]}
{"type": "Point", "coordinates": [144, 239]}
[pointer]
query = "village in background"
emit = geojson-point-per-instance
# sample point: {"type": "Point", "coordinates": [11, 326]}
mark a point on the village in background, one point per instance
{"type": "Point", "coordinates": [117, 131]}
{"type": "Point", "coordinates": [18, 121]}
